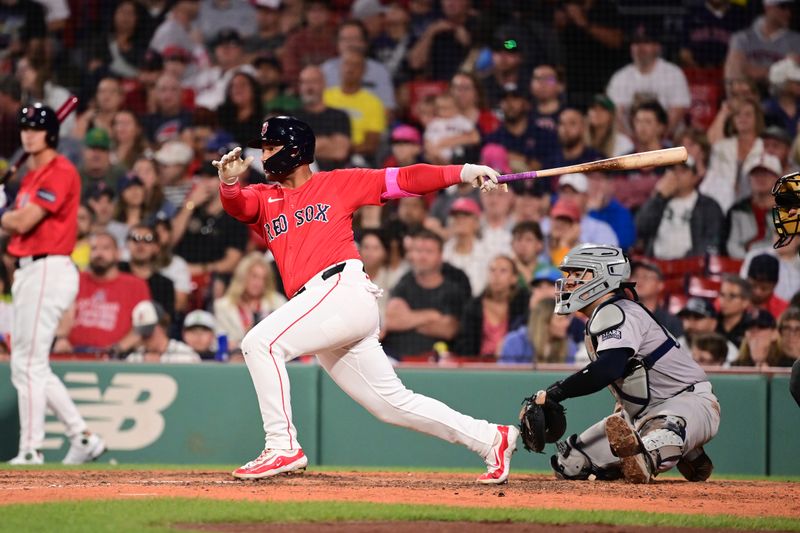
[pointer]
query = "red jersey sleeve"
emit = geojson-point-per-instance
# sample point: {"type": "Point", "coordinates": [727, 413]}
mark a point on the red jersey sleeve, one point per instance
{"type": "Point", "coordinates": [362, 186]}
{"type": "Point", "coordinates": [240, 203]}
{"type": "Point", "coordinates": [52, 189]}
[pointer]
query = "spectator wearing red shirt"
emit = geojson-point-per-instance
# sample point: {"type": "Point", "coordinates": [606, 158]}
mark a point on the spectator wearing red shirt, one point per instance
{"type": "Point", "coordinates": [101, 316]}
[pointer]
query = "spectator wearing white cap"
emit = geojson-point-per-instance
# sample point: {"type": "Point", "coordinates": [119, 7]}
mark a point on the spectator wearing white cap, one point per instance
{"type": "Point", "coordinates": [677, 221]}
{"type": "Point", "coordinates": [749, 222]}
{"type": "Point", "coordinates": [200, 333]}
{"type": "Point", "coordinates": [574, 188]}
{"type": "Point", "coordinates": [783, 109]}
{"type": "Point", "coordinates": [173, 160]}
{"type": "Point", "coordinates": [151, 323]}
{"type": "Point", "coordinates": [753, 50]}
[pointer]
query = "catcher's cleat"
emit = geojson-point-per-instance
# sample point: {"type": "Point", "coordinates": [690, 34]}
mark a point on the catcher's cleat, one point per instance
{"type": "Point", "coordinates": [626, 445]}
{"type": "Point", "coordinates": [271, 463]}
{"type": "Point", "coordinates": [696, 465]}
{"type": "Point", "coordinates": [28, 457]}
{"type": "Point", "coordinates": [85, 447]}
{"type": "Point", "coordinates": [498, 461]}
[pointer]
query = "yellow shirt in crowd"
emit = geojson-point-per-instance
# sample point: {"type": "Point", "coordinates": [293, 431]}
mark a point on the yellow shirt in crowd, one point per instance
{"type": "Point", "coordinates": [366, 111]}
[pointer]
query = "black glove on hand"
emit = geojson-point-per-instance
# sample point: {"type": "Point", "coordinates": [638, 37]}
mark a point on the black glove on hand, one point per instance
{"type": "Point", "coordinates": [542, 419]}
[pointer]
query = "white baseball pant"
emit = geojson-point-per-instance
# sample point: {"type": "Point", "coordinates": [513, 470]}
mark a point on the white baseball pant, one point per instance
{"type": "Point", "coordinates": [42, 291]}
{"type": "Point", "coordinates": [337, 320]}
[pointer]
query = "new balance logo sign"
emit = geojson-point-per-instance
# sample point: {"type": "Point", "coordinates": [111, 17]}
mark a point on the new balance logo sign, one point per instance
{"type": "Point", "coordinates": [128, 413]}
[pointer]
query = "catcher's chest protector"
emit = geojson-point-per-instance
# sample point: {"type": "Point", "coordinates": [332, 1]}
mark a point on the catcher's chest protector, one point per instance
{"type": "Point", "coordinates": [632, 391]}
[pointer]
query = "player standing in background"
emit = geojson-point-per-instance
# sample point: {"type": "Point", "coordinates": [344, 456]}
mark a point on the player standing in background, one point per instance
{"type": "Point", "coordinates": [666, 408]}
{"type": "Point", "coordinates": [306, 219]}
{"type": "Point", "coordinates": [43, 228]}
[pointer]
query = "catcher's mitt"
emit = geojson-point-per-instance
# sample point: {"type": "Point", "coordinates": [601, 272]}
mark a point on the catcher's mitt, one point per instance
{"type": "Point", "coordinates": [541, 423]}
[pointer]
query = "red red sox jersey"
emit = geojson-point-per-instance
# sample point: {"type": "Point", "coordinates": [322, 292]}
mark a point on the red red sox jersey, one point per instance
{"type": "Point", "coordinates": [310, 227]}
{"type": "Point", "coordinates": [56, 188]}
{"type": "Point", "coordinates": [104, 309]}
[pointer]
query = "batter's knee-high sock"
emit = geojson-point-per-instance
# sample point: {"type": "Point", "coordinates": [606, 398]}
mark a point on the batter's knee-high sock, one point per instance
{"type": "Point", "coordinates": [268, 370]}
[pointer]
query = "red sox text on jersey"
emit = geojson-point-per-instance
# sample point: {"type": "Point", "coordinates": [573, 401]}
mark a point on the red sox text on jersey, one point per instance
{"type": "Point", "coordinates": [310, 213]}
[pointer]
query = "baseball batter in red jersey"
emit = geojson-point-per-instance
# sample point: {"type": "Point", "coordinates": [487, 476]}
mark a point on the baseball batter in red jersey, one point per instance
{"type": "Point", "coordinates": [306, 219]}
{"type": "Point", "coordinates": [43, 228]}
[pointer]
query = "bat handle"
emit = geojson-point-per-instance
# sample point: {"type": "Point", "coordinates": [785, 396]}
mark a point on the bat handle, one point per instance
{"type": "Point", "coordinates": [506, 178]}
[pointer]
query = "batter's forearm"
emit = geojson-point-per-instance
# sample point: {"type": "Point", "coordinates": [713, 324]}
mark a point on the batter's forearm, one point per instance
{"type": "Point", "coordinates": [241, 204]}
{"type": "Point", "coordinates": [423, 179]}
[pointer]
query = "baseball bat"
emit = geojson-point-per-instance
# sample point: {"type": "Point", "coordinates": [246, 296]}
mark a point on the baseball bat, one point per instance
{"type": "Point", "coordinates": [653, 158]}
{"type": "Point", "coordinates": [61, 113]}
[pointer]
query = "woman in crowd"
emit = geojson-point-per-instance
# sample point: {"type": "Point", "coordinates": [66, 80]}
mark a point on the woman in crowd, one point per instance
{"type": "Point", "coordinates": [374, 250]}
{"type": "Point", "coordinates": [250, 297]}
{"type": "Point", "coordinates": [129, 142]}
{"type": "Point", "coordinates": [471, 102]}
{"type": "Point", "coordinates": [603, 133]}
{"type": "Point", "coordinates": [156, 206]}
{"type": "Point", "coordinates": [130, 208]}
{"type": "Point", "coordinates": [546, 338]}
{"type": "Point", "coordinates": [123, 47]}
{"type": "Point", "coordinates": [240, 114]}
{"type": "Point", "coordinates": [724, 181]}
{"type": "Point", "coordinates": [489, 317]}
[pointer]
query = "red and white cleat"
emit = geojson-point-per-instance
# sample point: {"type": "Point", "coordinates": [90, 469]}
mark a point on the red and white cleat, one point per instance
{"type": "Point", "coordinates": [271, 463]}
{"type": "Point", "coordinates": [499, 459]}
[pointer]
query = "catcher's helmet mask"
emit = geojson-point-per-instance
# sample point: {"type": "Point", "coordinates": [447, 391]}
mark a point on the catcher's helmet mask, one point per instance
{"type": "Point", "coordinates": [610, 270]}
{"type": "Point", "coordinates": [40, 117]}
{"type": "Point", "coordinates": [787, 199]}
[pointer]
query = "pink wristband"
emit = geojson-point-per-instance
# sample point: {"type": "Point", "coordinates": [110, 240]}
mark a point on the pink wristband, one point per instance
{"type": "Point", "coordinates": [393, 190]}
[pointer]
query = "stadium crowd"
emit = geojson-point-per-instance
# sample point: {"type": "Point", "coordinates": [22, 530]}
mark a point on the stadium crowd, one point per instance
{"type": "Point", "coordinates": [165, 87]}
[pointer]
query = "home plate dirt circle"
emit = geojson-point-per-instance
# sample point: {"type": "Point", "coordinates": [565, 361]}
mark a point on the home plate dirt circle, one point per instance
{"type": "Point", "coordinates": [738, 498]}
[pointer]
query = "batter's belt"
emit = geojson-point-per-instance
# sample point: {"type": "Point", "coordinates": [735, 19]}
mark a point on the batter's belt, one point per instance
{"type": "Point", "coordinates": [332, 271]}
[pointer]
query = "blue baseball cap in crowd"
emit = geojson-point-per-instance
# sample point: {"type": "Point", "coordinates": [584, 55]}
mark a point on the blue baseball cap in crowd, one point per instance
{"type": "Point", "coordinates": [549, 274]}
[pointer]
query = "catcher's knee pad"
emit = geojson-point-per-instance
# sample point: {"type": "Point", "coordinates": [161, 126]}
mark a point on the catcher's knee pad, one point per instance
{"type": "Point", "coordinates": [663, 437]}
{"type": "Point", "coordinates": [571, 462]}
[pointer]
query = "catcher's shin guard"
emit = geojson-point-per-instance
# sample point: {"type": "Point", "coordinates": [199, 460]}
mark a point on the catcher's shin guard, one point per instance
{"type": "Point", "coordinates": [573, 463]}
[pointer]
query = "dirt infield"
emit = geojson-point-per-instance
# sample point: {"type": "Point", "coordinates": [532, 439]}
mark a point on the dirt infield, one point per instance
{"type": "Point", "coordinates": [740, 498]}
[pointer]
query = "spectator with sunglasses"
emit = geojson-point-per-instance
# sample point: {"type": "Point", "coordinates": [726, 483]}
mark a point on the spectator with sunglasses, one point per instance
{"type": "Point", "coordinates": [143, 246]}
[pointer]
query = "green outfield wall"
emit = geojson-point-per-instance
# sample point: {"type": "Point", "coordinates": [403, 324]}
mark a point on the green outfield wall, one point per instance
{"type": "Point", "coordinates": [209, 414]}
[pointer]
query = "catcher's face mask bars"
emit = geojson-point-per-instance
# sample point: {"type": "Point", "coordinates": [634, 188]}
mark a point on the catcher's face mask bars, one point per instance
{"type": "Point", "coordinates": [786, 213]}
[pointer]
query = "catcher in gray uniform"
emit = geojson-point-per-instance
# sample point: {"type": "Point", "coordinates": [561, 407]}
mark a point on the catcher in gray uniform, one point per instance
{"type": "Point", "coordinates": [665, 410]}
